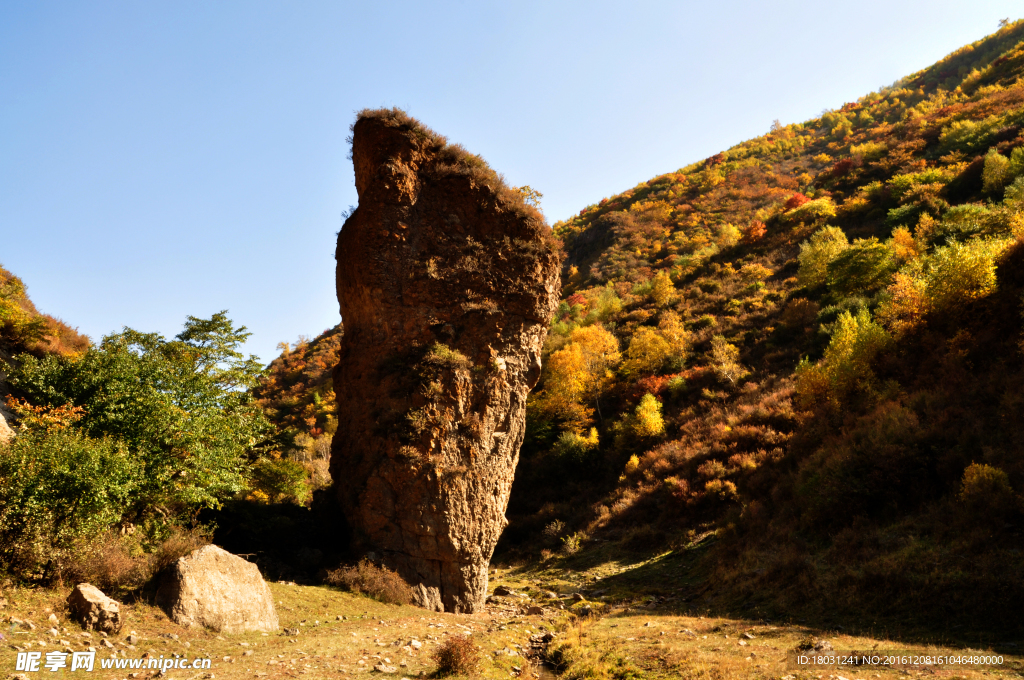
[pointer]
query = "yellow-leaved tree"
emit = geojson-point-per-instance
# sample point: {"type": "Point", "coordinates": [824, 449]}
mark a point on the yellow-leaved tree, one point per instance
{"type": "Point", "coordinates": [576, 376]}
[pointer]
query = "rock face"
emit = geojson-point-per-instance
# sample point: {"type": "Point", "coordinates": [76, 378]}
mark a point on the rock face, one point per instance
{"type": "Point", "coordinates": [94, 610]}
{"type": "Point", "coordinates": [212, 588]}
{"type": "Point", "coordinates": [6, 432]}
{"type": "Point", "coordinates": [447, 281]}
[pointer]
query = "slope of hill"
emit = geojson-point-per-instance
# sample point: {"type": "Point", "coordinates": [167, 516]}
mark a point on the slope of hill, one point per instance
{"type": "Point", "coordinates": [297, 395]}
{"type": "Point", "coordinates": [24, 329]}
{"type": "Point", "coordinates": [806, 350]}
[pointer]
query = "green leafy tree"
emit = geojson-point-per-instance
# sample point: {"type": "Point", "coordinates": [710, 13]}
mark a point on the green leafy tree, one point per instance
{"type": "Point", "coordinates": [866, 265]}
{"type": "Point", "coordinates": [182, 407]}
{"type": "Point", "coordinates": [817, 252]}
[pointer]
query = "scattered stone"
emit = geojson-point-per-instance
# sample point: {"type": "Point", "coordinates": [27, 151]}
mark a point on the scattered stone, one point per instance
{"type": "Point", "coordinates": [381, 668]}
{"type": "Point", "coordinates": [447, 281]}
{"type": "Point", "coordinates": [52, 618]}
{"type": "Point", "coordinates": [415, 644]}
{"type": "Point", "coordinates": [749, 636]}
{"type": "Point", "coordinates": [576, 597]}
{"type": "Point", "coordinates": [93, 610]}
{"type": "Point", "coordinates": [106, 643]}
{"type": "Point", "coordinates": [815, 645]}
{"type": "Point", "coordinates": [535, 610]}
{"type": "Point", "coordinates": [294, 631]}
{"type": "Point", "coordinates": [212, 588]}
{"type": "Point", "coordinates": [504, 591]}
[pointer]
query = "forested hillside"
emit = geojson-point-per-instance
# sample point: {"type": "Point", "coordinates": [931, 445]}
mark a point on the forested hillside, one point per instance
{"type": "Point", "coordinates": [24, 329]}
{"type": "Point", "coordinates": [806, 350]}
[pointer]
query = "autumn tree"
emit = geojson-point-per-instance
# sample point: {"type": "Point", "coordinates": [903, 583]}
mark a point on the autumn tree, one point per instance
{"type": "Point", "coordinates": [577, 374]}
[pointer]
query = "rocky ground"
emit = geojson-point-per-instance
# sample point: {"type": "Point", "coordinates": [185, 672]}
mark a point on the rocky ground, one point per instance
{"type": "Point", "coordinates": [329, 633]}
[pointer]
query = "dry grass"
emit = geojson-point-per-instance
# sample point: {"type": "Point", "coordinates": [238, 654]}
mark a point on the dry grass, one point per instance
{"type": "Point", "coordinates": [345, 635]}
{"type": "Point", "coordinates": [380, 583]}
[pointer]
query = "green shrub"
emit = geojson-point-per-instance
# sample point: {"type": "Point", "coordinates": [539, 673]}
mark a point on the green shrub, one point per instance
{"type": "Point", "coordinates": [817, 252]}
{"type": "Point", "coordinates": [846, 367]}
{"type": "Point", "coordinates": [280, 480]}
{"type": "Point", "coordinates": [968, 135]}
{"type": "Point", "coordinates": [575, 448]}
{"type": "Point", "coordinates": [961, 273]}
{"type": "Point", "coordinates": [996, 173]}
{"type": "Point", "coordinates": [864, 266]}
{"type": "Point", "coordinates": [59, 487]}
{"type": "Point", "coordinates": [443, 355]}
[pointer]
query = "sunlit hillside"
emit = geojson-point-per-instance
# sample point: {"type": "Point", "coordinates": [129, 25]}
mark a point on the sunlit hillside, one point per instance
{"type": "Point", "coordinates": [806, 350]}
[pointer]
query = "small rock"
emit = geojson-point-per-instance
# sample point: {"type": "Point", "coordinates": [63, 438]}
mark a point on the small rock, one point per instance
{"type": "Point", "coordinates": [293, 631]}
{"type": "Point", "coordinates": [94, 610]}
{"type": "Point", "coordinates": [415, 644]}
{"type": "Point", "coordinates": [503, 591]}
{"type": "Point", "coordinates": [248, 652]}
{"type": "Point", "coordinates": [576, 597]}
{"type": "Point", "coordinates": [381, 668]}
{"type": "Point", "coordinates": [106, 643]}
{"type": "Point", "coordinates": [749, 636]}
{"type": "Point", "coordinates": [535, 610]}
{"type": "Point", "coordinates": [52, 618]}
{"type": "Point", "coordinates": [54, 632]}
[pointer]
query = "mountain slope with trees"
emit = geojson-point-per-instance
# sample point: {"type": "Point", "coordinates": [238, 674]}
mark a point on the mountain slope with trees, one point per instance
{"type": "Point", "coordinates": [806, 350]}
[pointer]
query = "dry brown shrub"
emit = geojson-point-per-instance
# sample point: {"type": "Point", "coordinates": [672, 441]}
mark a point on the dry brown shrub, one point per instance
{"type": "Point", "coordinates": [380, 583]}
{"type": "Point", "coordinates": [799, 312]}
{"type": "Point", "coordinates": [116, 561]}
{"type": "Point", "coordinates": [457, 655]}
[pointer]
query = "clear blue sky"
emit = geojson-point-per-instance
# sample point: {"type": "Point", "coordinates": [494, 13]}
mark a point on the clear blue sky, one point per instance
{"type": "Point", "coordinates": [160, 159]}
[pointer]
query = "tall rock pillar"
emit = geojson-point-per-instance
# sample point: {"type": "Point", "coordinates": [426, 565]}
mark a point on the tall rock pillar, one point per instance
{"type": "Point", "coordinates": [447, 282]}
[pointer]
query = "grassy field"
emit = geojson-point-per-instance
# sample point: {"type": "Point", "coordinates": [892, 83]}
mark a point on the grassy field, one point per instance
{"type": "Point", "coordinates": [625, 635]}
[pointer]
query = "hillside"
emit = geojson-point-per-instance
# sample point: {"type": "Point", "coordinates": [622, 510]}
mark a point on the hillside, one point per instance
{"type": "Point", "coordinates": [24, 329]}
{"type": "Point", "coordinates": [804, 356]}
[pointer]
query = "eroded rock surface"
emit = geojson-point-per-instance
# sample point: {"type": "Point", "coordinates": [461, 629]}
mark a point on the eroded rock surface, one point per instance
{"type": "Point", "coordinates": [94, 610]}
{"type": "Point", "coordinates": [214, 589]}
{"type": "Point", "coordinates": [447, 281]}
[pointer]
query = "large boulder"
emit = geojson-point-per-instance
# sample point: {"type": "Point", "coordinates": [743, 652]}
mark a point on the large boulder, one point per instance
{"type": "Point", "coordinates": [94, 610]}
{"type": "Point", "coordinates": [447, 281]}
{"type": "Point", "coordinates": [214, 589]}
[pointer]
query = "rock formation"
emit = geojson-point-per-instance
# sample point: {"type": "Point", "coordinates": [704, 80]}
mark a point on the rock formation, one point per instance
{"type": "Point", "coordinates": [94, 610]}
{"type": "Point", "coordinates": [447, 281]}
{"type": "Point", "coordinates": [214, 589]}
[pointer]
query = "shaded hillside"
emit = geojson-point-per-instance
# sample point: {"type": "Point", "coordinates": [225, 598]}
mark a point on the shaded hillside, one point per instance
{"type": "Point", "coordinates": [809, 346]}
